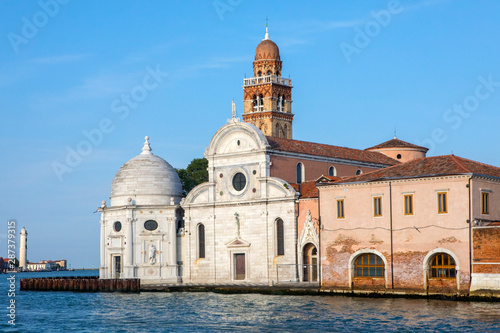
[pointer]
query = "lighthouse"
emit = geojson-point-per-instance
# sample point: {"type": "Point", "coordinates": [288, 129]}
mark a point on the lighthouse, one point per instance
{"type": "Point", "coordinates": [23, 249]}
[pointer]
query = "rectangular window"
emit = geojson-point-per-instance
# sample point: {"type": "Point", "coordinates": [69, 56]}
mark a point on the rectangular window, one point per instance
{"type": "Point", "coordinates": [408, 204]}
{"type": "Point", "coordinates": [485, 203]}
{"type": "Point", "coordinates": [340, 209]}
{"type": "Point", "coordinates": [442, 202]}
{"type": "Point", "coordinates": [377, 206]}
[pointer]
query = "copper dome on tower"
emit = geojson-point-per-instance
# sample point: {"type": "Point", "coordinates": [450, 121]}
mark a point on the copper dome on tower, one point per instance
{"type": "Point", "coordinates": [267, 49]}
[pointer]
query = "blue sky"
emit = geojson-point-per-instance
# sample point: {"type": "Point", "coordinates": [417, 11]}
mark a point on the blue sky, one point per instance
{"type": "Point", "coordinates": [359, 69]}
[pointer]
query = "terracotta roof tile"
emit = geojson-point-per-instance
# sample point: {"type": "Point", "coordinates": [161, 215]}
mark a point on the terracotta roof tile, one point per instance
{"type": "Point", "coordinates": [319, 149]}
{"type": "Point", "coordinates": [324, 178]}
{"type": "Point", "coordinates": [427, 167]}
{"type": "Point", "coordinates": [307, 189]}
{"type": "Point", "coordinates": [396, 143]}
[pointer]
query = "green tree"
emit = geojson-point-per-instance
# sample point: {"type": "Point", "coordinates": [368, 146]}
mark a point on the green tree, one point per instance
{"type": "Point", "coordinates": [195, 174]}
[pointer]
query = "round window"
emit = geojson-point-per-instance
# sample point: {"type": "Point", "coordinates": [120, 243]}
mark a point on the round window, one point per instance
{"type": "Point", "coordinates": [399, 156]}
{"type": "Point", "coordinates": [239, 181]}
{"type": "Point", "coordinates": [150, 225]}
{"type": "Point", "coordinates": [117, 226]}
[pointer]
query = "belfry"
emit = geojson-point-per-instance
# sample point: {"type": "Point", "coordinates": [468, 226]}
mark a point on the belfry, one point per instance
{"type": "Point", "coordinates": [267, 95]}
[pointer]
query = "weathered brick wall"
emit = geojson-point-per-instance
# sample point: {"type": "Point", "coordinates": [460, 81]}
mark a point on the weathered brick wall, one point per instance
{"type": "Point", "coordinates": [408, 273]}
{"type": "Point", "coordinates": [486, 249]}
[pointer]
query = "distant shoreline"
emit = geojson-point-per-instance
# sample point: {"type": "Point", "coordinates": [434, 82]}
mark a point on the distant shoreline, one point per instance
{"type": "Point", "coordinates": [48, 271]}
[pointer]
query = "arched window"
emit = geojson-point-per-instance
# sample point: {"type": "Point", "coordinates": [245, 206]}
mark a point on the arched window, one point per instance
{"type": "Point", "coordinates": [255, 103]}
{"type": "Point", "coordinates": [443, 266]}
{"type": "Point", "coordinates": [278, 103]}
{"type": "Point", "coordinates": [285, 131]}
{"type": "Point", "coordinates": [369, 265]}
{"type": "Point", "coordinates": [201, 241]}
{"type": "Point", "coordinates": [332, 171]}
{"type": "Point", "coordinates": [280, 238]}
{"type": "Point", "coordinates": [269, 72]}
{"type": "Point", "coordinates": [358, 172]}
{"type": "Point", "coordinates": [261, 102]}
{"type": "Point", "coordinates": [277, 73]}
{"type": "Point", "coordinates": [299, 173]}
{"type": "Point", "coordinates": [282, 103]}
{"type": "Point", "coordinates": [277, 130]}
{"type": "Point", "coordinates": [259, 73]}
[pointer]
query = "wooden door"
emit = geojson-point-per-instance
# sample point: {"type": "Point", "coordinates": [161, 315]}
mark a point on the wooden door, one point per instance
{"type": "Point", "coordinates": [239, 263]}
{"type": "Point", "coordinates": [118, 266]}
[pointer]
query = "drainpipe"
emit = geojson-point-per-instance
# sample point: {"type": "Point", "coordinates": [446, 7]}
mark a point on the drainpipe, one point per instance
{"type": "Point", "coordinates": [470, 234]}
{"type": "Point", "coordinates": [392, 244]}
{"type": "Point", "coordinates": [297, 212]}
{"type": "Point", "coordinates": [215, 250]}
{"type": "Point", "coordinates": [319, 241]}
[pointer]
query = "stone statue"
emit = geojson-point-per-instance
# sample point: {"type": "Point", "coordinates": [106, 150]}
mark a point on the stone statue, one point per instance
{"type": "Point", "coordinates": [237, 217]}
{"type": "Point", "coordinates": [152, 254]}
{"type": "Point", "coordinates": [233, 108]}
{"type": "Point", "coordinates": [308, 217]}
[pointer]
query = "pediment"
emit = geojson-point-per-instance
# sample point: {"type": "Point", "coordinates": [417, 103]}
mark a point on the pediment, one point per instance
{"type": "Point", "coordinates": [238, 242]}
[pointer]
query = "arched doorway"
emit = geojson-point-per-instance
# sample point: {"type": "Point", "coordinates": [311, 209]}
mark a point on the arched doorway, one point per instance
{"type": "Point", "coordinates": [310, 263]}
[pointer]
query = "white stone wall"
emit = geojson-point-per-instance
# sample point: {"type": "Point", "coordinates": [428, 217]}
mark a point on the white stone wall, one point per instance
{"type": "Point", "coordinates": [239, 148]}
{"type": "Point", "coordinates": [257, 240]}
{"type": "Point", "coordinates": [133, 242]}
{"type": "Point", "coordinates": [484, 281]}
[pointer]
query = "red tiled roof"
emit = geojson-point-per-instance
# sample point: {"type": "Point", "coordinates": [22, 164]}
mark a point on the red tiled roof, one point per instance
{"type": "Point", "coordinates": [327, 178]}
{"type": "Point", "coordinates": [396, 143]}
{"type": "Point", "coordinates": [307, 189]}
{"type": "Point", "coordinates": [427, 167]}
{"type": "Point", "coordinates": [319, 149]}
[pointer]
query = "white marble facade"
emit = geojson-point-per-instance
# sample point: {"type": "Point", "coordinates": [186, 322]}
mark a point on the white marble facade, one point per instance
{"type": "Point", "coordinates": [139, 227]}
{"type": "Point", "coordinates": [240, 221]}
{"type": "Point", "coordinates": [239, 210]}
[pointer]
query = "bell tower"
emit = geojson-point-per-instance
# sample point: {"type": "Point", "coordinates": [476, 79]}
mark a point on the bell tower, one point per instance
{"type": "Point", "coordinates": [267, 95]}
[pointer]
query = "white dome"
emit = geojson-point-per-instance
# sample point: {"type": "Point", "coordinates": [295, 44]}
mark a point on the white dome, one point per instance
{"type": "Point", "coordinates": [147, 179]}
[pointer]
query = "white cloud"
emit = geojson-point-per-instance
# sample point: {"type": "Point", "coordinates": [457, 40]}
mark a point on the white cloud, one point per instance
{"type": "Point", "coordinates": [59, 59]}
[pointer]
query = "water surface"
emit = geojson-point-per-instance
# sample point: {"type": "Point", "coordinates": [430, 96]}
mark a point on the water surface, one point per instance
{"type": "Point", "coordinates": [209, 312]}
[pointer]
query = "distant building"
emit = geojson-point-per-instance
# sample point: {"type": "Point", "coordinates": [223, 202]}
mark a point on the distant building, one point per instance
{"type": "Point", "coordinates": [38, 266]}
{"type": "Point", "coordinates": [47, 265]}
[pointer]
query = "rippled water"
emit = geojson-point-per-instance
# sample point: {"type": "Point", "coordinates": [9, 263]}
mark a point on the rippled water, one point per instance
{"type": "Point", "coordinates": [200, 312]}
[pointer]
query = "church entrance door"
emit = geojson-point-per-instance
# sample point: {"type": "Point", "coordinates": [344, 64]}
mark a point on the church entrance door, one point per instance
{"type": "Point", "coordinates": [310, 263]}
{"type": "Point", "coordinates": [117, 266]}
{"type": "Point", "coordinates": [239, 265]}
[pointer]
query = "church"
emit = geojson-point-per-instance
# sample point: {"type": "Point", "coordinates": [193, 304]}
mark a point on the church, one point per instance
{"type": "Point", "coordinates": [277, 210]}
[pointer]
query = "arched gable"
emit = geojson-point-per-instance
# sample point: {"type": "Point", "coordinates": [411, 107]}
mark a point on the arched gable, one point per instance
{"type": "Point", "coordinates": [235, 137]}
{"type": "Point", "coordinates": [200, 194]}
{"type": "Point", "coordinates": [278, 188]}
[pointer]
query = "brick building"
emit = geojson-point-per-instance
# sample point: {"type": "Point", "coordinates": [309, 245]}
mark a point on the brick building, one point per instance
{"type": "Point", "coordinates": [408, 227]}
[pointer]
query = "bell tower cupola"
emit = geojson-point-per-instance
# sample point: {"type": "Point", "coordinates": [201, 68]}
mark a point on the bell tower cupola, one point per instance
{"type": "Point", "coordinates": [268, 95]}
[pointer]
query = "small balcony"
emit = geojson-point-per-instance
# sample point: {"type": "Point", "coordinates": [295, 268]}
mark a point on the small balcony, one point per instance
{"type": "Point", "coordinates": [253, 81]}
